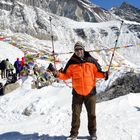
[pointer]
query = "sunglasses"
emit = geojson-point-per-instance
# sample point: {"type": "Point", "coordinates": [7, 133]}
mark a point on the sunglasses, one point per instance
{"type": "Point", "coordinates": [78, 49]}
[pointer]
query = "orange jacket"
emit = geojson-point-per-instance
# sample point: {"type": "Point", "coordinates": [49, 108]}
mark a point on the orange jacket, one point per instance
{"type": "Point", "coordinates": [83, 73]}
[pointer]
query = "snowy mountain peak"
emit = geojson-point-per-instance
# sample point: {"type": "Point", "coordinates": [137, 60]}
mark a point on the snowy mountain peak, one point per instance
{"type": "Point", "coordinates": [127, 5]}
{"type": "Point", "coordinates": [127, 12]}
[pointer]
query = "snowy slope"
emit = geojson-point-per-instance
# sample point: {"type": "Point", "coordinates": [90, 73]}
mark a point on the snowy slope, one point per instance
{"type": "Point", "coordinates": [9, 51]}
{"type": "Point", "coordinates": [45, 114]}
{"type": "Point", "coordinates": [50, 116]}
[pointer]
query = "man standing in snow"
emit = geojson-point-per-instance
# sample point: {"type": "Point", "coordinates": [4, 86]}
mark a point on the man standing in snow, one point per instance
{"type": "Point", "coordinates": [83, 69]}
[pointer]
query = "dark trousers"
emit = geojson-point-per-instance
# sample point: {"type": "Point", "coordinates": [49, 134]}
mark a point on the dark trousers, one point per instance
{"type": "Point", "coordinates": [77, 102]}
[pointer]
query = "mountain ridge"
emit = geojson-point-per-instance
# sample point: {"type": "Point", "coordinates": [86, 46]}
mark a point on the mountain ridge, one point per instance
{"type": "Point", "coordinates": [79, 10]}
{"type": "Point", "coordinates": [127, 11]}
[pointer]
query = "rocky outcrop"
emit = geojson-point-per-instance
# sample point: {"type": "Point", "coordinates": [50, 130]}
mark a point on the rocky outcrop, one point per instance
{"type": "Point", "coordinates": [11, 87]}
{"type": "Point", "coordinates": [128, 83]}
{"type": "Point", "coordinates": [81, 33]}
{"type": "Point", "coordinates": [135, 29]}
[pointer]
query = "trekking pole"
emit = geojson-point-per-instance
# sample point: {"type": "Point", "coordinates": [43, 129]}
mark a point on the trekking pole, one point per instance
{"type": "Point", "coordinates": [50, 19]}
{"type": "Point", "coordinates": [115, 46]}
{"type": "Point", "coordinates": [53, 48]}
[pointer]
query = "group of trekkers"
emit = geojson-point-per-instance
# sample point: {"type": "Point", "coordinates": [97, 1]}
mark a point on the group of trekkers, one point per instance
{"type": "Point", "coordinates": [7, 68]}
{"type": "Point", "coordinates": [12, 72]}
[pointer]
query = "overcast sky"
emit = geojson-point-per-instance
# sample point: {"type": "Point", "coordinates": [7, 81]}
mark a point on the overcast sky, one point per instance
{"type": "Point", "coordinates": [107, 4]}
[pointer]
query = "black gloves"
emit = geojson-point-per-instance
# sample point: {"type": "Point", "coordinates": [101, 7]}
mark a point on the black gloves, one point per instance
{"type": "Point", "coordinates": [106, 75]}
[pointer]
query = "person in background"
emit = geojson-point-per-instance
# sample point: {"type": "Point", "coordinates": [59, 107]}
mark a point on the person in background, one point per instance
{"type": "Point", "coordinates": [3, 68]}
{"type": "Point", "coordinates": [18, 67]}
{"type": "Point", "coordinates": [22, 61]}
{"type": "Point", "coordinates": [83, 69]}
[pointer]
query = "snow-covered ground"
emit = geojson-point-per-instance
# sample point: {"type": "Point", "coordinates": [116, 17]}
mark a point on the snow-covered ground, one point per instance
{"type": "Point", "coordinates": [45, 114]}
{"type": "Point", "coordinates": [50, 115]}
